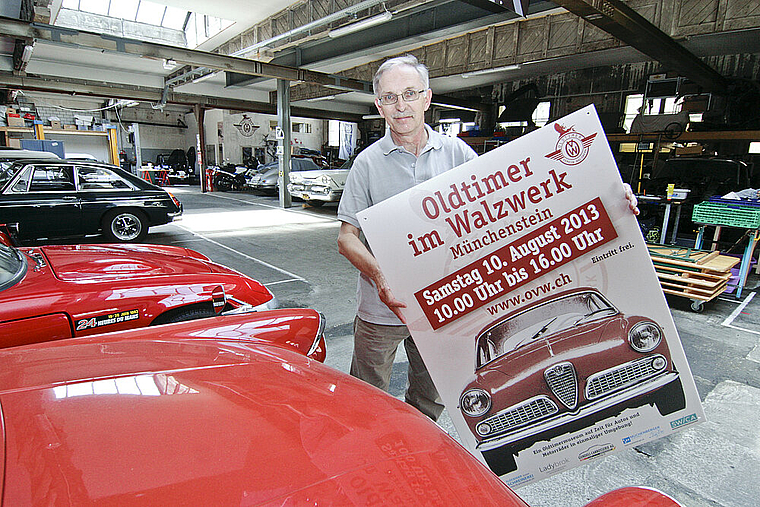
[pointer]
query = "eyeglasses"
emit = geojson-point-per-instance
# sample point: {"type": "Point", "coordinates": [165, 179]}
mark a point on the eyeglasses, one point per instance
{"type": "Point", "coordinates": [391, 98]}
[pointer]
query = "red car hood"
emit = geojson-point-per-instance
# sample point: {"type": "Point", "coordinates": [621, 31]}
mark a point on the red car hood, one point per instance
{"type": "Point", "coordinates": [95, 262]}
{"type": "Point", "coordinates": [145, 422]}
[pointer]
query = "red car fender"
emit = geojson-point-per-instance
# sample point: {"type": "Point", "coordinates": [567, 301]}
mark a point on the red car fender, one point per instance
{"type": "Point", "coordinates": [634, 495]}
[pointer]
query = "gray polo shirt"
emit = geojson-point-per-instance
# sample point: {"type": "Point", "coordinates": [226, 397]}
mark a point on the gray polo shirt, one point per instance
{"type": "Point", "coordinates": [381, 171]}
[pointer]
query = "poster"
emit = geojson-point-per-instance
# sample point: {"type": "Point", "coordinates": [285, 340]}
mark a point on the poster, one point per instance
{"type": "Point", "coordinates": [533, 301]}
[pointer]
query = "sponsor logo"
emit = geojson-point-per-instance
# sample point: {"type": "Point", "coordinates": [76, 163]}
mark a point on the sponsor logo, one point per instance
{"type": "Point", "coordinates": [683, 421]}
{"type": "Point", "coordinates": [554, 467]}
{"type": "Point", "coordinates": [596, 451]}
{"type": "Point", "coordinates": [647, 434]}
{"type": "Point", "coordinates": [520, 479]}
{"type": "Point", "coordinates": [572, 146]}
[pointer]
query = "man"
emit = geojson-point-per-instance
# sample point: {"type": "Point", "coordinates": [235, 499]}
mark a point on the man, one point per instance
{"type": "Point", "coordinates": [409, 153]}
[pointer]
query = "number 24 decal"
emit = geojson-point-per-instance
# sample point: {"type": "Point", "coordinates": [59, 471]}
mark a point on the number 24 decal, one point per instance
{"type": "Point", "coordinates": [86, 323]}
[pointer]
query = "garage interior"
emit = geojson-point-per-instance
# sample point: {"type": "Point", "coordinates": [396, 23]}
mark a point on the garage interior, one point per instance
{"type": "Point", "coordinates": [230, 84]}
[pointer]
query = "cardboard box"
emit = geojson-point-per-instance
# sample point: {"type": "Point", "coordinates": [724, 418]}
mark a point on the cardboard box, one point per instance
{"type": "Point", "coordinates": [689, 150]}
{"type": "Point", "coordinates": [55, 124]}
{"type": "Point", "coordinates": [14, 120]}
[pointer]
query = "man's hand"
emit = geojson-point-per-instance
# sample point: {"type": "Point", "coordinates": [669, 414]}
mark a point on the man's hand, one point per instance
{"type": "Point", "coordinates": [386, 296]}
{"type": "Point", "coordinates": [352, 248]}
{"type": "Point", "coordinates": [632, 201]}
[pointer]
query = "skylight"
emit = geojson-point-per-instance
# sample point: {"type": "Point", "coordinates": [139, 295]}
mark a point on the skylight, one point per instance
{"type": "Point", "coordinates": [142, 11]}
{"type": "Point", "coordinates": [197, 27]}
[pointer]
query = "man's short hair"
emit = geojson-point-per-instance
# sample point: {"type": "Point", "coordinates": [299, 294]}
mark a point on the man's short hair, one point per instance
{"type": "Point", "coordinates": [409, 60]}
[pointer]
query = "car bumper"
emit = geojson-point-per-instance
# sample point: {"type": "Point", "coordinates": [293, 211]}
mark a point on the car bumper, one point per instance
{"type": "Point", "coordinates": [619, 398]}
{"type": "Point", "coordinates": [314, 192]}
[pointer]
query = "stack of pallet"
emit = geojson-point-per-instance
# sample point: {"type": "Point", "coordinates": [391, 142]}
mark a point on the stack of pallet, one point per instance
{"type": "Point", "coordinates": [699, 275]}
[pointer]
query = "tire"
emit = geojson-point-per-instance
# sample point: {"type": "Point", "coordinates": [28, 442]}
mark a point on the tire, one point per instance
{"type": "Point", "coordinates": [501, 460]}
{"type": "Point", "coordinates": [222, 185]}
{"type": "Point", "coordinates": [670, 398]}
{"type": "Point", "coordinates": [315, 204]}
{"type": "Point", "coordinates": [184, 314]}
{"type": "Point", "coordinates": [125, 225]}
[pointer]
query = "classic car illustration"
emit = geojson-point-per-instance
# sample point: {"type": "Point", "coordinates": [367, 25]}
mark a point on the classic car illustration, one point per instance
{"type": "Point", "coordinates": [226, 411]}
{"type": "Point", "coordinates": [317, 187]}
{"type": "Point", "coordinates": [56, 198]}
{"type": "Point", "coordinates": [560, 365]}
{"type": "Point", "coordinates": [61, 291]}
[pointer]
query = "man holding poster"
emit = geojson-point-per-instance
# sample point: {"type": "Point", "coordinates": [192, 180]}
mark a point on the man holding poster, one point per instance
{"type": "Point", "coordinates": [410, 153]}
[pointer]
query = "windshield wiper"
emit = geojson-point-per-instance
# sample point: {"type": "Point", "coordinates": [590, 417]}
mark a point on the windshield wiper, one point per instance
{"type": "Point", "coordinates": [589, 315]}
{"type": "Point", "coordinates": [535, 335]}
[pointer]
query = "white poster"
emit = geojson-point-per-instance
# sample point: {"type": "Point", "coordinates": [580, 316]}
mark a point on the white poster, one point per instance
{"type": "Point", "coordinates": [347, 139]}
{"type": "Point", "coordinates": [532, 298]}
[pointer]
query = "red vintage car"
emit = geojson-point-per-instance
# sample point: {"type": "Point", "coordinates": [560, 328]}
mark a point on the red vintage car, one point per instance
{"type": "Point", "coordinates": [60, 291]}
{"type": "Point", "coordinates": [560, 365]}
{"type": "Point", "coordinates": [225, 411]}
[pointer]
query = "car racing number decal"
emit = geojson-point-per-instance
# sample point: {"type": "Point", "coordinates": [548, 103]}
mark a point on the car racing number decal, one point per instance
{"type": "Point", "coordinates": [108, 319]}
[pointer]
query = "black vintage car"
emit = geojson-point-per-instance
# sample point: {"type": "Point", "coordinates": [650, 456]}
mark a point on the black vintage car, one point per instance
{"type": "Point", "coordinates": [56, 198]}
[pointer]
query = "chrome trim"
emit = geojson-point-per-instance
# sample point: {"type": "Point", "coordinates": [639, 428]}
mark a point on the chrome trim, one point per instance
{"type": "Point", "coordinates": [320, 332]}
{"type": "Point", "coordinates": [563, 383]}
{"type": "Point", "coordinates": [272, 304]}
{"type": "Point", "coordinates": [529, 405]}
{"type": "Point", "coordinates": [642, 364]}
{"type": "Point", "coordinates": [587, 410]}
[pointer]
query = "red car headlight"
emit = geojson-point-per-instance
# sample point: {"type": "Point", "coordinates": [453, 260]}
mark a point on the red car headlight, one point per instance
{"type": "Point", "coordinates": [475, 402]}
{"type": "Point", "coordinates": [644, 336]}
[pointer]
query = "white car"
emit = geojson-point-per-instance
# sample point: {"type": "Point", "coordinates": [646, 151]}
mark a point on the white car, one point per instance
{"type": "Point", "coordinates": [321, 186]}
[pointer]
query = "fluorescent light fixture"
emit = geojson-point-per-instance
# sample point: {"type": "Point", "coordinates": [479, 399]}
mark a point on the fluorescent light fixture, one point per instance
{"type": "Point", "coordinates": [204, 77]}
{"type": "Point", "coordinates": [490, 71]}
{"type": "Point", "coordinates": [449, 120]}
{"type": "Point", "coordinates": [317, 99]}
{"type": "Point", "coordinates": [361, 25]}
{"type": "Point", "coordinates": [452, 106]}
{"type": "Point", "coordinates": [169, 64]}
{"type": "Point", "coordinates": [371, 117]}
{"type": "Point", "coordinates": [754, 147]}
{"type": "Point", "coordinates": [27, 53]}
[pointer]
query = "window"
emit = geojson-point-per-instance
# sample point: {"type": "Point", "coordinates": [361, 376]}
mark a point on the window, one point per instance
{"type": "Point", "coordinates": [635, 104]}
{"type": "Point", "coordinates": [52, 179]}
{"type": "Point", "coordinates": [303, 128]}
{"type": "Point", "coordinates": [98, 178]}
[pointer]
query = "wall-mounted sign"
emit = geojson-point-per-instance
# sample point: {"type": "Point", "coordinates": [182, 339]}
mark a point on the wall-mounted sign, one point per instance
{"type": "Point", "coordinates": [246, 126]}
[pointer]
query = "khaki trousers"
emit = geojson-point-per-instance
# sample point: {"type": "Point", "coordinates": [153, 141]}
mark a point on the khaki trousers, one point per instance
{"type": "Point", "coordinates": [374, 351]}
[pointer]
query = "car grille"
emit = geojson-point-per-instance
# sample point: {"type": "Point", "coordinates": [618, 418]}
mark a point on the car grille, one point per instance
{"type": "Point", "coordinates": [624, 375]}
{"type": "Point", "coordinates": [518, 415]}
{"type": "Point", "coordinates": [563, 383]}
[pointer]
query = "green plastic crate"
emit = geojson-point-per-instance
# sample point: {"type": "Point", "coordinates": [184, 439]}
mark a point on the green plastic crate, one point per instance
{"type": "Point", "coordinates": [711, 213]}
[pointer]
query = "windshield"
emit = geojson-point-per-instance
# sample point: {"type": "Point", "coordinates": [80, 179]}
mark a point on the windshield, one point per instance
{"type": "Point", "coordinates": [12, 266]}
{"type": "Point", "coordinates": [543, 320]}
{"type": "Point", "coordinates": [7, 171]}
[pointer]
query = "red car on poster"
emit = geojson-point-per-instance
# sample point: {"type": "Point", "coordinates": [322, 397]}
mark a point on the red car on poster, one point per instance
{"type": "Point", "coordinates": [60, 291]}
{"type": "Point", "coordinates": [225, 411]}
{"type": "Point", "coordinates": [562, 364]}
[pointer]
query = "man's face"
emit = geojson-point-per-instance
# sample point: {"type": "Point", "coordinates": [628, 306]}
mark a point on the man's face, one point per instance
{"type": "Point", "coordinates": [404, 118]}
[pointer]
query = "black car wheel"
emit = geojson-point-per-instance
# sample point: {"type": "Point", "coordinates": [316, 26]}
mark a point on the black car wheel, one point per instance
{"type": "Point", "coordinates": [670, 398]}
{"type": "Point", "coordinates": [124, 226]}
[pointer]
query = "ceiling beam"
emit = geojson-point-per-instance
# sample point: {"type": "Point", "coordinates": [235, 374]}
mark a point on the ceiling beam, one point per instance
{"type": "Point", "coordinates": [619, 20]}
{"type": "Point", "coordinates": [77, 38]}
{"type": "Point", "coordinates": [79, 87]}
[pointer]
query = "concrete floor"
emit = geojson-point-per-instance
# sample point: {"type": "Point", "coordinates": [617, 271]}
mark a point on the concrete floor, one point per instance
{"type": "Point", "coordinates": [294, 253]}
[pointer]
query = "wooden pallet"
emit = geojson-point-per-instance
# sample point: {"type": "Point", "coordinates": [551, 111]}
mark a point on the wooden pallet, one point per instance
{"type": "Point", "coordinates": [699, 275]}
